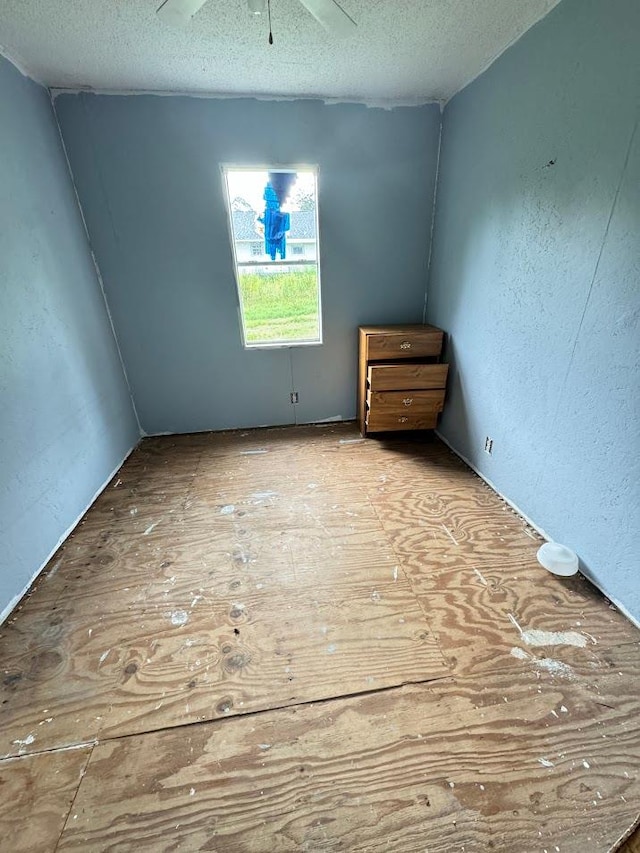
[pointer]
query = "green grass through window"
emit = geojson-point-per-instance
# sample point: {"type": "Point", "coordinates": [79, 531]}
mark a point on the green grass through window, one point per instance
{"type": "Point", "coordinates": [280, 306]}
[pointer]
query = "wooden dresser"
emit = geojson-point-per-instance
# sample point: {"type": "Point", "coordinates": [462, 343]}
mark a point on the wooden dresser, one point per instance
{"type": "Point", "coordinates": [401, 382]}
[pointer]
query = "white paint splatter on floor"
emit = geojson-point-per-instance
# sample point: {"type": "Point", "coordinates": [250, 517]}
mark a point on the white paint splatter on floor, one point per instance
{"type": "Point", "coordinates": [259, 497]}
{"type": "Point", "coordinates": [179, 617]}
{"type": "Point", "coordinates": [535, 637]}
{"type": "Point", "coordinates": [28, 740]}
{"type": "Point", "coordinates": [450, 534]}
{"type": "Point", "coordinates": [519, 653]}
{"type": "Point", "coordinates": [554, 667]}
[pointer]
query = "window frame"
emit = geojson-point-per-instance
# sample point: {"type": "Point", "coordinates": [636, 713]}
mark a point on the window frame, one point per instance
{"type": "Point", "coordinates": [260, 167]}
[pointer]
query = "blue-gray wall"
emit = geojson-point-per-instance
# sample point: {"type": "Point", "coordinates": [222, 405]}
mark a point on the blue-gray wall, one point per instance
{"type": "Point", "coordinates": [536, 276]}
{"type": "Point", "coordinates": [147, 171]}
{"type": "Point", "coordinates": [66, 419]}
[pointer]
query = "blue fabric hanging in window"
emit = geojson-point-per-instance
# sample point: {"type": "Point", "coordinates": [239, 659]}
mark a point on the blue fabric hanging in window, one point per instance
{"type": "Point", "coordinates": [276, 224]}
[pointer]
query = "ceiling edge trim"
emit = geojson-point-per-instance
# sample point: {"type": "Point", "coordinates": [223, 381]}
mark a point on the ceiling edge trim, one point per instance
{"type": "Point", "coordinates": [372, 103]}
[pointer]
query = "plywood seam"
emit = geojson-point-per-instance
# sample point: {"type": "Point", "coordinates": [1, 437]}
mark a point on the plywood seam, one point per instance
{"type": "Point", "coordinates": [308, 703]}
{"type": "Point", "coordinates": [89, 744]}
{"type": "Point", "coordinates": [75, 796]}
{"type": "Point", "coordinates": [626, 835]}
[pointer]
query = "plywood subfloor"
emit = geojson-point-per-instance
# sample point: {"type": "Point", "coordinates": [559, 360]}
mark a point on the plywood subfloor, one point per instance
{"type": "Point", "coordinates": [299, 640]}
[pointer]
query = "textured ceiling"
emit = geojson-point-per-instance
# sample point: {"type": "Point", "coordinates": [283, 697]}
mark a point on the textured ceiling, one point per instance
{"type": "Point", "coordinates": [403, 50]}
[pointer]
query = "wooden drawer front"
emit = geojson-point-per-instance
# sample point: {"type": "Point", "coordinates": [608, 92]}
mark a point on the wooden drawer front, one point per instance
{"type": "Point", "coordinates": [404, 345]}
{"type": "Point", "coordinates": [382, 422]}
{"type": "Point", "coordinates": [404, 402]}
{"type": "Point", "coordinates": [396, 377]}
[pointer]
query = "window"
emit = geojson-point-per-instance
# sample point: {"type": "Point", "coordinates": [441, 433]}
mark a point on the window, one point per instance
{"type": "Point", "coordinates": [274, 232]}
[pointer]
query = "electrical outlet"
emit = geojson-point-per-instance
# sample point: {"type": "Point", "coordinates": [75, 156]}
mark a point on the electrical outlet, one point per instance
{"type": "Point", "coordinates": [488, 445]}
{"type": "Point", "coordinates": [294, 397]}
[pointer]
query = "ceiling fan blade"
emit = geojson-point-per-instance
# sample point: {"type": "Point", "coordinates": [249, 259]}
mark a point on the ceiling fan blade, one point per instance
{"type": "Point", "coordinates": [331, 16]}
{"type": "Point", "coordinates": [178, 13]}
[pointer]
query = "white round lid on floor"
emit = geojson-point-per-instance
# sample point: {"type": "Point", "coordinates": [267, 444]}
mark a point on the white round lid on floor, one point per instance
{"type": "Point", "coordinates": [558, 559]}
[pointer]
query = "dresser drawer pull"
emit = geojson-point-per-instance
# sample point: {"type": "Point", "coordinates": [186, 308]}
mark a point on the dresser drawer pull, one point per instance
{"type": "Point", "coordinates": [407, 401]}
{"type": "Point", "coordinates": [405, 345]}
{"type": "Point", "coordinates": [402, 420]}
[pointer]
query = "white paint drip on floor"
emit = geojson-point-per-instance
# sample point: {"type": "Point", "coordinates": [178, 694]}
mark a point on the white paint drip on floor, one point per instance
{"type": "Point", "coordinates": [179, 617]}
{"type": "Point", "coordinates": [554, 638]}
{"type": "Point", "coordinates": [23, 744]}
{"type": "Point", "coordinates": [450, 534]}
{"type": "Point", "coordinates": [258, 497]}
{"type": "Point", "coordinates": [253, 452]}
{"type": "Point", "coordinates": [375, 595]}
{"type": "Point", "coordinates": [227, 510]}
{"type": "Point", "coordinates": [54, 568]}
{"type": "Point", "coordinates": [535, 637]}
{"type": "Point", "coordinates": [519, 653]}
{"type": "Point", "coordinates": [151, 527]}
{"type": "Point", "coordinates": [104, 656]}
{"type": "Point", "coordinates": [545, 762]}
{"type": "Point", "coordinates": [481, 577]}
{"type": "Point", "coordinates": [26, 742]}
{"type": "Point", "coordinates": [554, 667]}
{"type": "Point", "coordinates": [395, 573]}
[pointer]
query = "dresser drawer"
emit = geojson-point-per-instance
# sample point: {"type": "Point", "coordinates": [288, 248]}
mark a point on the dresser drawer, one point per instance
{"type": "Point", "coordinates": [408, 344]}
{"type": "Point", "coordinates": [397, 377]}
{"type": "Point", "coordinates": [383, 422]}
{"type": "Point", "coordinates": [402, 402]}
